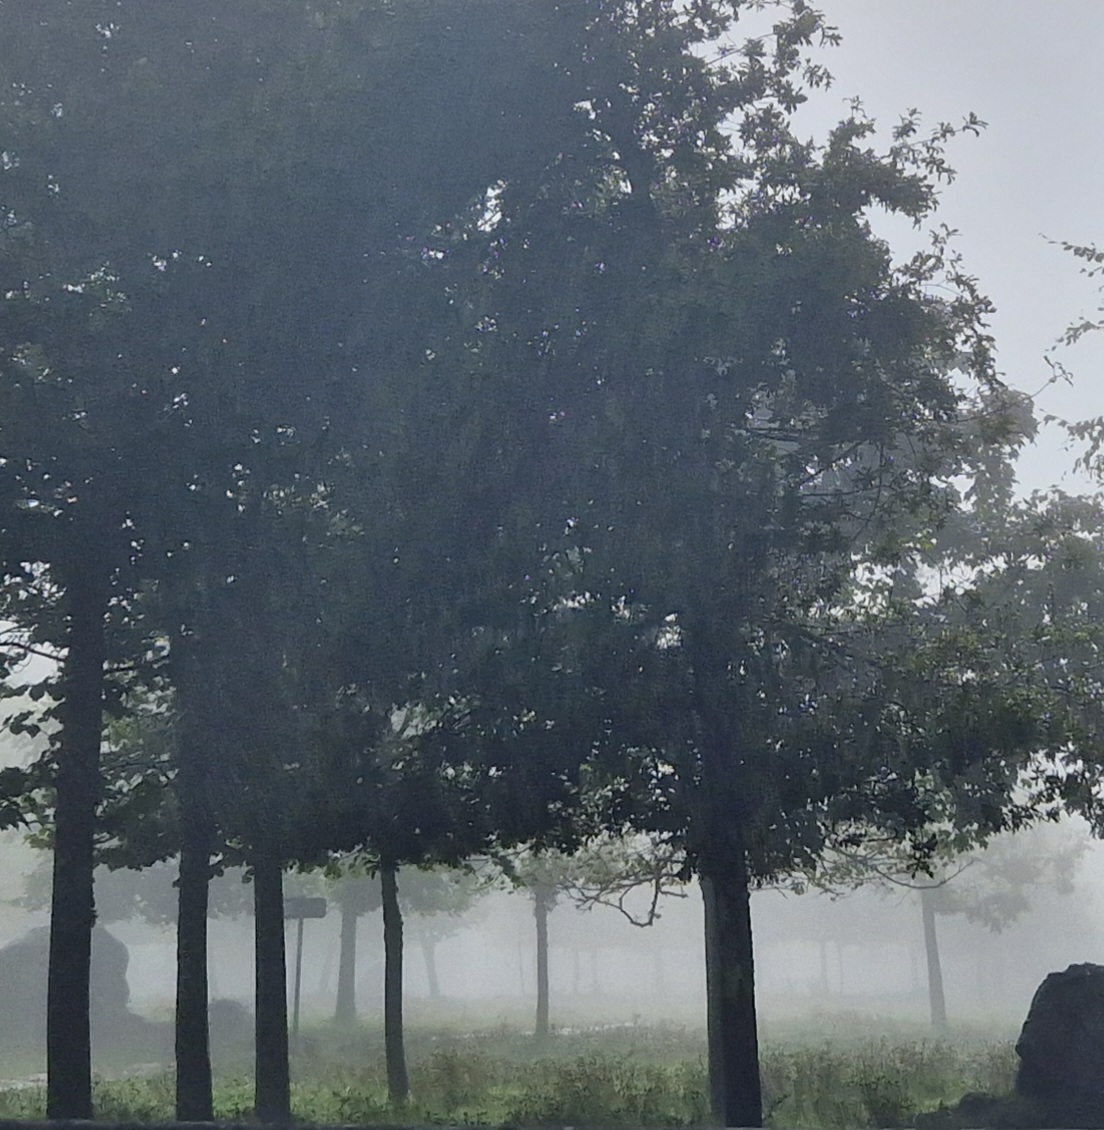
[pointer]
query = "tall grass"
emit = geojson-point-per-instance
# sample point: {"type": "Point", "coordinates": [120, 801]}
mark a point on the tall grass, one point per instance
{"type": "Point", "coordinates": [640, 1077]}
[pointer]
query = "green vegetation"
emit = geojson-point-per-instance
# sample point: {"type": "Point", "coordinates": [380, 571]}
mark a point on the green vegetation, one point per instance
{"type": "Point", "coordinates": [631, 1076]}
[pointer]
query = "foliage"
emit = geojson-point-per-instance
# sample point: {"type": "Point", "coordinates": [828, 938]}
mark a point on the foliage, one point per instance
{"type": "Point", "coordinates": [1088, 433]}
{"type": "Point", "coordinates": [991, 885]}
{"type": "Point", "coordinates": [712, 479]}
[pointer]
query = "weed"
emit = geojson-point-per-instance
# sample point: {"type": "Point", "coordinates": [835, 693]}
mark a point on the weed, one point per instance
{"type": "Point", "coordinates": [636, 1076]}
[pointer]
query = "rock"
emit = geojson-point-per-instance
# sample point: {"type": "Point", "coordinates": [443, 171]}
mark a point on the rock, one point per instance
{"type": "Point", "coordinates": [1061, 1049]}
{"type": "Point", "coordinates": [231, 1026]}
{"type": "Point", "coordinates": [977, 1110]}
{"type": "Point", "coordinates": [23, 966]}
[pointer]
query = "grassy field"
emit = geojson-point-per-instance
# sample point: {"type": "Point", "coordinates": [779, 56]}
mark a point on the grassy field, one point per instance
{"type": "Point", "coordinates": [632, 1075]}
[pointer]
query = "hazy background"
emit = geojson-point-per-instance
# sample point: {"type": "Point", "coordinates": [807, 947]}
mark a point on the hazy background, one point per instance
{"type": "Point", "coordinates": [861, 954]}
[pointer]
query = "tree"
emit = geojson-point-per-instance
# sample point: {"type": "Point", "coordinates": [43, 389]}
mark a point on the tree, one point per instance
{"type": "Point", "coordinates": [614, 407]}
{"type": "Point", "coordinates": [437, 898]}
{"type": "Point", "coordinates": [992, 886]}
{"type": "Point", "coordinates": [604, 872]}
{"type": "Point", "coordinates": [384, 805]}
{"type": "Point", "coordinates": [78, 437]}
{"type": "Point", "coordinates": [543, 875]}
{"type": "Point", "coordinates": [355, 894]}
{"type": "Point", "coordinates": [218, 388]}
{"type": "Point", "coordinates": [719, 403]}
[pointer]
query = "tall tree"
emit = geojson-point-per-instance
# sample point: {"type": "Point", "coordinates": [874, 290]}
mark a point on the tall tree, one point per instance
{"type": "Point", "coordinates": [717, 400]}
{"type": "Point", "coordinates": [215, 205]}
{"type": "Point", "coordinates": [81, 429]}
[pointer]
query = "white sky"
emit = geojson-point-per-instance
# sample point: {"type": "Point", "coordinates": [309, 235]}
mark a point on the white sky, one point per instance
{"type": "Point", "coordinates": [1033, 70]}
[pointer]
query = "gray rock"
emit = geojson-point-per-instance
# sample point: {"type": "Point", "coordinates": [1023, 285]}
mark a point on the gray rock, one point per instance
{"type": "Point", "coordinates": [231, 1025]}
{"type": "Point", "coordinates": [23, 966]}
{"type": "Point", "coordinates": [1061, 1049]}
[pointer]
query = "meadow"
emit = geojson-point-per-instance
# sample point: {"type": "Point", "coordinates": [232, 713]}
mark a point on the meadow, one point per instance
{"type": "Point", "coordinates": [641, 1075]}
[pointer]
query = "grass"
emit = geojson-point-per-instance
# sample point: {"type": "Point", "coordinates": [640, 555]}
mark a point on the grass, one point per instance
{"type": "Point", "coordinates": [644, 1076]}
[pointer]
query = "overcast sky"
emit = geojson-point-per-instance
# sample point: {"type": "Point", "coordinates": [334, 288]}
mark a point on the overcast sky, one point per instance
{"type": "Point", "coordinates": [1033, 72]}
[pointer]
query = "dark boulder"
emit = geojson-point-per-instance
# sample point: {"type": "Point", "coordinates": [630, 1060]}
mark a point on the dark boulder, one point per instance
{"type": "Point", "coordinates": [978, 1111]}
{"type": "Point", "coordinates": [231, 1026]}
{"type": "Point", "coordinates": [1061, 1049]}
{"type": "Point", "coordinates": [23, 966]}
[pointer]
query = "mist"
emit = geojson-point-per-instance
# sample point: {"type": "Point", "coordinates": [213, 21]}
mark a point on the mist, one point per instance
{"type": "Point", "coordinates": [820, 957]}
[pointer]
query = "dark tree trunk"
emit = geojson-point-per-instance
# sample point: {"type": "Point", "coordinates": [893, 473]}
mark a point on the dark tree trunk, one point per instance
{"type": "Point", "coordinates": [398, 1082]}
{"type": "Point", "coordinates": [345, 1012]}
{"type": "Point", "coordinates": [194, 1102]}
{"type": "Point", "coordinates": [273, 1087]}
{"type": "Point", "coordinates": [730, 992]}
{"type": "Point", "coordinates": [72, 905]}
{"type": "Point", "coordinates": [542, 905]}
{"type": "Point", "coordinates": [429, 953]}
{"type": "Point", "coordinates": [937, 1002]}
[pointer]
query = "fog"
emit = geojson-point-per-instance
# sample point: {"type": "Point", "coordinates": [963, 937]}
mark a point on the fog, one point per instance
{"type": "Point", "coordinates": [819, 957]}
{"type": "Point", "coordinates": [857, 951]}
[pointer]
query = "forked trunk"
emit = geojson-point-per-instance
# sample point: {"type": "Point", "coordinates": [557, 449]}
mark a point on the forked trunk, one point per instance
{"type": "Point", "coordinates": [72, 905]}
{"type": "Point", "coordinates": [733, 1036]}
{"type": "Point", "coordinates": [398, 1082]}
{"type": "Point", "coordinates": [273, 1087]}
{"type": "Point", "coordinates": [937, 1002]}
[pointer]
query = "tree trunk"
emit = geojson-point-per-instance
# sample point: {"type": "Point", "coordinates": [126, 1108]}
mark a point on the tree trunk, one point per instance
{"type": "Point", "coordinates": [542, 904]}
{"type": "Point", "coordinates": [345, 1011]}
{"type": "Point", "coordinates": [937, 1002]}
{"type": "Point", "coordinates": [194, 1102]}
{"type": "Point", "coordinates": [398, 1082]}
{"type": "Point", "coordinates": [72, 904]}
{"type": "Point", "coordinates": [273, 1087]}
{"type": "Point", "coordinates": [325, 974]}
{"type": "Point", "coordinates": [733, 1036]}
{"type": "Point", "coordinates": [523, 961]}
{"type": "Point", "coordinates": [429, 952]}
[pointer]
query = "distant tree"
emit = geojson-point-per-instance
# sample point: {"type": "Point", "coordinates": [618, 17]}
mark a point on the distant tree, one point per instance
{"type": "Point", "coordinates": [543, 876]}
{"type": "Point", "coordinates": [606, 871]}
{"type": "Point", "coordinates": [438, 900]}
{"type": "Point", "coordinates": [993, 885]}
{"type": "Point", "coordinates": [356, 893]}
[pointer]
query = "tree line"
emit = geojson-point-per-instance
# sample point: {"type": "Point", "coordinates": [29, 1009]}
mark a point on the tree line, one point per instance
{"type": "Point", "coordinates": [449, 428]}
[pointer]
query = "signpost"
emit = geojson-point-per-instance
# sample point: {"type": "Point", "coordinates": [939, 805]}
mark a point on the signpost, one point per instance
{"type": "Point", "coordinates": [300, 908]}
